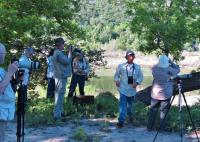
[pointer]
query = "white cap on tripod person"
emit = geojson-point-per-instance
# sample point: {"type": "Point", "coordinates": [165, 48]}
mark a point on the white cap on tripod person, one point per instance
{"type": "Point", "coordinates": [163, 61]}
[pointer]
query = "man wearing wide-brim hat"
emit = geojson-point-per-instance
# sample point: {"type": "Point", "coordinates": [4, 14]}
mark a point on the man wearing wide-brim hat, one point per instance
{"type": "Point", "coordinates": [62, 70]}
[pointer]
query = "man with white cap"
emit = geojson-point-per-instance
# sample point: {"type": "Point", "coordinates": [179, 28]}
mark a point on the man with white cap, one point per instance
{"type": "Point", "coordinates": [162, 88]}
{"type": "Point", "coordinates": [127, 76]}
{"type": "Point", "coordinates": [7, 95]}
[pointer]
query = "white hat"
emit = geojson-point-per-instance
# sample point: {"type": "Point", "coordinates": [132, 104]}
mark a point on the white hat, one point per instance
{"type": "Point", "coordinates": [163, 61]}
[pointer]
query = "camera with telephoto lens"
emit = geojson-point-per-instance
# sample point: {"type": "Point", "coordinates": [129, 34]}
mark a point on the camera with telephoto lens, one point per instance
{"type": "Point", "coordinates": [31, 65]}
{"type": "Point", "coordinates": [130, 79]}
{"type": "Point", "coordinates": [17, 77]}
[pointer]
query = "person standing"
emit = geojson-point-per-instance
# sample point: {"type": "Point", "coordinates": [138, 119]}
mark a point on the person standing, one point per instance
{"type": "Point", "coordinates": [80, 73]}
{"type": "Point", "coordinates": [7, 95]}
{"type": "Point", "coordinates": [49, 75]}
{"type": "Point", "coordinates": [162, 89]}
{"type": "Point", "coordinates": [127, 77]}
{"type": "Point", "coordinates": [25, 64]}
{"type": "Point", "coordinates": [62, 70]}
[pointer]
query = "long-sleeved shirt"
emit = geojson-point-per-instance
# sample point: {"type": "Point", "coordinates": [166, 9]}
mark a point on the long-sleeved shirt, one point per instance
{"type": "Point", "coordinates": [162, 87]}
{"type": "Point", "coordinates": [50, 68]}
{"type": "Point", "coordinates": [123, 71]}
{"type": "Point", "coordinates": [62, 64]}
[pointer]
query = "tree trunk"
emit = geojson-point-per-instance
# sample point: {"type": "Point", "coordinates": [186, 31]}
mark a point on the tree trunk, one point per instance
{"type": "Point", "coordinates": [189, 84]}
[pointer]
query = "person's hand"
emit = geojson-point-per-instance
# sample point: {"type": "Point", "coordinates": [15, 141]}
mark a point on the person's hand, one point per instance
{"type": "Point", "coordinates": [12, 68]}
{"type": "Point", "coordinates": [135, 84]}
{"type": "Point", "coordinates": [117, 83]}
{"type": "Point", "coordinates": [171, 62]}
{"type": "Point", "coordinates": [70, 50]}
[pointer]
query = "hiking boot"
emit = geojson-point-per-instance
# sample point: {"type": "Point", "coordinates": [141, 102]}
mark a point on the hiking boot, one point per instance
{"type": "Point", "coordinates": [120, 125]}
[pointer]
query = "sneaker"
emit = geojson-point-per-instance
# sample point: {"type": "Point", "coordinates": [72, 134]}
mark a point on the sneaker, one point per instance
{"type": "Point", "coordinates": [119, 125]}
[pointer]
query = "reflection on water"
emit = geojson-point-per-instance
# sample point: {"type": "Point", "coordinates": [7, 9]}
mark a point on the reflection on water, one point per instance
{"type": "Point", "coordinates": [106, 83]}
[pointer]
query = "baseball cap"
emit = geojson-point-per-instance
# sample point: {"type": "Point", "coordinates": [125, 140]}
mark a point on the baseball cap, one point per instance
{"type": "Point", "coordinates": [129, 52]}
{"type": "Point", "coordinates": [59, 41]}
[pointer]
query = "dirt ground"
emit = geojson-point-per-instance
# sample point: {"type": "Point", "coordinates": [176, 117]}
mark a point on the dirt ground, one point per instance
{"type": "Point", "coordinates": [96, 130]}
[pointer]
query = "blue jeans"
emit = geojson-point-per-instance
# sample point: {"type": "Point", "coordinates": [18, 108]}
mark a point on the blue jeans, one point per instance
{"type": "Point", "coordinates": [50, 88]}
{"type": "Point", "coordinates": [77, 79]}
{"type": "Point", "coordinates": [60, 89]}
{"type": "Point", "coordinates": [125, 106]}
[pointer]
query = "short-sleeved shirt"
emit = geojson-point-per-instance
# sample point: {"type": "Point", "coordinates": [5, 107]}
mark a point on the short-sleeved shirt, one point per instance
{"type": "Point", "coordinates": [7, 100]}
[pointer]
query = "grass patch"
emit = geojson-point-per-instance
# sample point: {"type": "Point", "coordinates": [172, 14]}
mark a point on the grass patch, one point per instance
{"type": "Point", "coordinates": [39, 112]}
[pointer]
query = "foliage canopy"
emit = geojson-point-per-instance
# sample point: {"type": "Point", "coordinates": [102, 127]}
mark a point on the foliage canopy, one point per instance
{"type": "Point", "coordinates": [164, 26]}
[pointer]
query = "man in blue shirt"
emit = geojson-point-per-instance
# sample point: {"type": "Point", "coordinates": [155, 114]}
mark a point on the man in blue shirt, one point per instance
{"type": "Point", "coordinates": [127, 77]}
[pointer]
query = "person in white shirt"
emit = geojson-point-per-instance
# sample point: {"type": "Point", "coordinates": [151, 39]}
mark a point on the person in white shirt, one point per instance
{"type": "Point", "coordinates": [7, 95]}
{"type": "Point", "coordinates": [127, 77]}
{"type": "Point", "coordinates": [49, 75]}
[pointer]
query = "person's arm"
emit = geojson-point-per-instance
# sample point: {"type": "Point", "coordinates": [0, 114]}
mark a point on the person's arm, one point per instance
{"type": "Point", "coordinates": [175, 69]}
{"type": "Point", "coordinates": [12, 68]}
{"type": "Point", "coordinates": [139, 78]}
{"type": "Point", "coordinates": [63, 59]}
{"type": "Point", "coordinates": [117, 76]}
{"type": "Point", "coordinates": [87, 68]}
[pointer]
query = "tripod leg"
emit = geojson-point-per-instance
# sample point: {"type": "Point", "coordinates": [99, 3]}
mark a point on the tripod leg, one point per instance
{"type": "Point", "coordinates": [18, 127]}
{"type": "Point", "coordinates": [23, 127]}
{"type": "Point", "coordinates": [190, 116]}
{"type": "Point", "coordinates": [24, 99]}
{"type": "Point", "coordinates": [162, 122]}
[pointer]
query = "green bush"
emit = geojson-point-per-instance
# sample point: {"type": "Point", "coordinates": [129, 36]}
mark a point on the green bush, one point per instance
{"type": "Point", "coordinates": [80, 134]}
{"type": "Point", "coordinates": [107, 103]}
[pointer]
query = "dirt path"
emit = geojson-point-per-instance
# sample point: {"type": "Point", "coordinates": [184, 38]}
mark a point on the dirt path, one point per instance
{"type": "Point", "coordinates": [96, 130]}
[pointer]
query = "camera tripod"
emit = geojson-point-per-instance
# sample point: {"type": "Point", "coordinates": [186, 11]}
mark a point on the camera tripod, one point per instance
{"type": "Point", "coordinates": [20, 113]}
{"type": "Point", "coordinates": [181, 95]}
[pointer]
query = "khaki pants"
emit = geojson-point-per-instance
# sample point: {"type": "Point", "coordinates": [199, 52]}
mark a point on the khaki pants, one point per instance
{"type": "Point", "coordinates": [3, 125]}
{"type": "Point", "coordinates": [60, 90]}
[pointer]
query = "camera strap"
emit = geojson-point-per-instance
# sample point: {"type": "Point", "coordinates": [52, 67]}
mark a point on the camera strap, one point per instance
{"type": "Point", "coordinates": [127, 69]}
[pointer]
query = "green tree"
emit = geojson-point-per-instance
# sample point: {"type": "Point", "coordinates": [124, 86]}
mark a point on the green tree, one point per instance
{"type": "Point", "coordinates": [37, 22]}
{"type": "Point", "coordinates": [164, 26]}
{"type": "Point", "coordinates": [106, 20]}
